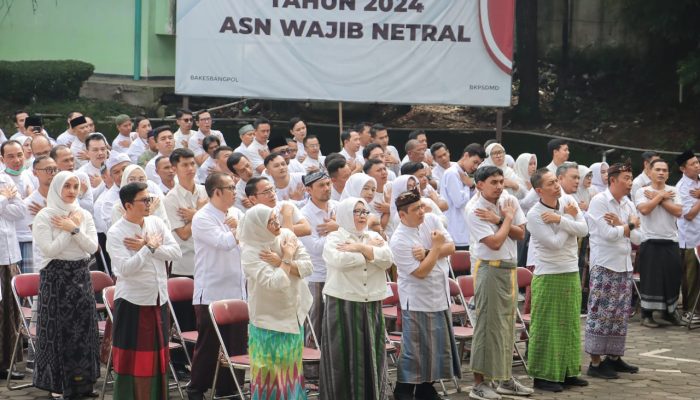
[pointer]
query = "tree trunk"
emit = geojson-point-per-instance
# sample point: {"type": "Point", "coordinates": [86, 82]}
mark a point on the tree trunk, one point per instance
{"type": "Point", "coordinates": [528, 108]}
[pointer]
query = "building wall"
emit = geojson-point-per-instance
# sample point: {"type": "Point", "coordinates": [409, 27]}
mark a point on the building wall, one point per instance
{"type": "Point", "coordinates": [98, 32]}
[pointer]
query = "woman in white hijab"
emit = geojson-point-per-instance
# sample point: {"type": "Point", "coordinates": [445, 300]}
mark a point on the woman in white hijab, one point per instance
{"type": "Point", "coordinates": [364, 187]}
{"type": "Point", "coordinates": [525, 166]}
{"type": "Point", "coordinates": [599, 182]}
{"type": "Point", "coordinates": [66, 358]}
{"type": "Point", "coordinates": [134, 173]}
{"type": "Point", "coordinates": [278, 302]}
{"type": "Point", "coordinates": [583, 194]}
{"type": "Point", "coordinates": [496, 156]}
{"type": "Point", "coordinates": [353, 356]}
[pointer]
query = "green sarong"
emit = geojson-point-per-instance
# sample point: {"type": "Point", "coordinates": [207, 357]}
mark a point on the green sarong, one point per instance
{"type": "Point", "coordinates": [554, 351]}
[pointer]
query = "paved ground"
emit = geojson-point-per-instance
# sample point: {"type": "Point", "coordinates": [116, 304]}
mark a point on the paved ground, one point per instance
{"type": "Point", "coordinates": [669, 358]}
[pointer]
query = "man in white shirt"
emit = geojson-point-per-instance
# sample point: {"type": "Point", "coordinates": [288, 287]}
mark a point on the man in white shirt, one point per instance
{"type": "Point", "coordinates": [20, 116]}
{"type": "Point", "coordinates": [283, 146]}
{"type": "Point", "coordinates": [339, 171]}
{"type": "Point", "coordinates": [643, 179]}
{"type": "Point", "coordinates": [320, 212]}
{"type": "Point", "coordinates": [555, 223]}
{"type": "Point", "coordinates": [377, 170]}
{"type": "Point", "coordinates": [260, 190]}
{"type": "Point", "coordinates": [313, 161]}
{"type": "Point", "coordinates": [140, 143]}
{"type": "Point", "coordinates": [217, 276]}
{"type": "Point", "coordinates": [247, 135]}
{"type": "Point", "coordinates": [457, 187]}
{"type": "Point", "coordinates": [363, 130]}
{"type": "Point", "coordinates": [184, 120]}
{"type": "Point", "coordinates": [380, 136]}
{"type": "Point", "coordinates": [141, 245]}
{"type": "Point", "coordinates": [209, 144]}
{"type": "Point", "coordinates": [374, 151]}
{"type": "Point", "coordinates": [44, 169]}
{"type": "Point", "coordinates": [40, 147]}
{"type": "Point", "coordinates": [559, 149]}
{"type": "Point", "coordinates": [351, 148]}
{"type": "Point", "coordinates": [13, 157]}
{"type": "Point", "coordinates": [614, 226]}
{"type": "Point", "coordinates": [419, 152]}
{"type": "Point", "coordinates": [420, 171]}
{"type": "Point", "coordinates": [125, 135]}
{"type": "Point", "coordinates": [204, 123]}
{"type": "Point", "coordinates": [166, 174]}
{"type": "Point", "coordinates": [495, 251]}
{"type": "Point", "coordinates": [441, 155]}
{"type": "Point", "coordinates": [81, 129]}
{"type": "Point", "coordinates": [420, 246]}
{"type": "Point", "coordinates": [97, 151]}
{"type": "Point", "coordinates": [241, 167]}
{"type": "Point", "coordinates": [68, 136]}
{"type": "Point", "coordinates": [165, 143]}
{"type": "Point", "coordinates": [258, 150]}
{"type": "Point", "coordinates": [568, 177]}
{"type": "Point", "coordinates": [291, 157]}
{"type": "Point", "coordinates": [288, 186]}
{"type": "Point", "coordinates": [659, 265]}
{"type": "Point", "coordinates": [689, 229]}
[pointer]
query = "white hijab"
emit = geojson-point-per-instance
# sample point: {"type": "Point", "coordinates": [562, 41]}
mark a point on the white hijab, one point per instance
{"type": "Point", "coordinates": [54, 203]}
{"type": "Point", "coordinates": [508, 172]}
{"type": "Point", "coordinates": [597, 181]}
{"type": "Point", "coordinates": [345, 217]}
{"type": "Point", "coordinates": [253, 232]}
{"type": "Point", "coordinates": [118, 210]}
{"type": "Point", "coordinates": [583, 193]}
{"type": "Point", "coordinates": [521, 169]}
{"type": "Point", "coordinates": [398, 186]}
{"type": "Point", "coordinates": [354, 185]}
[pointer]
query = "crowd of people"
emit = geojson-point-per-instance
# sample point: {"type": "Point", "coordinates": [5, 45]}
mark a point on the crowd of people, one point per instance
{"type": "Point", "coordinates": [310, 243]}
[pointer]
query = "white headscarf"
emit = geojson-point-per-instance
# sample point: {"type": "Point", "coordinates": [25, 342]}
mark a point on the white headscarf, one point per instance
{"type": "Point", "coordinates": [521, 169]}
{"type": "Point", "coordinates": [508, 172]}
{"type": "Point", "coordinates": [597, 181]}
{"type": "Point", "coordinates": [398, 186]}
{"type": "Point", "coordinates": [354, 185]}
{"type": "Point", "coordinates": [582, 193]}
{"type": "Point", "coordinates": [345, 217]}
{"type": "Point", "coordinates": [252, 229]}
{"type": "Point", "coordinates": [54, 203]}
{"type": "Point", "coordinates": [153, 189]}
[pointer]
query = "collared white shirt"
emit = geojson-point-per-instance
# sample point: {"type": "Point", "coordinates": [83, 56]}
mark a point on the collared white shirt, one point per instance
{"type": "Point", "coordinates": [240, 195]}
{"type": "Point", "coordinates": [639, 182]}
{"type": "Point", "coordinates": [37, 198]}
{"type": "Point", "coordinates": [240, 149]}
{"type": "Point", "coordinates": [335, 195]}
{"type": "Point", "coordinates": [358, 156]}
{"type": "Point", "coordinates": [688, 231]}
{"type": "Point", "coordinates": [197, 138]}
{"type": "Point", "coordinates": [395, 153]}
{"type": "Point", "coordinates": [150, 169]}
{"type": "Point", "coordinates": [180, 137]}
{"type": "Point", "coordinates": [103, 209]}
{"type": "Point", "coordinates": [22, 226]}
{"type": "Point", "coordinates": [118, 148]}
{"type": "Point", "coordinates": [314, 242]}
{"type": "Point", "coordinates": [316, 164]}
{"type": "Point", "coordinates": [66, 138]}
{"type": "Point", "coordinates": [28, 176]}
{"type": "Point", "coordinates": [659, 223]}
{"type": "Point", "coordinates": [551, 167]}
{"type": "Point", "coordinates": [218, 274]}
{"type": "Point", "coordinates": [57, 244]}
{"type": "Point", "coordinates": [295, 182]}
{"type": "Point", "coordinates": [87, 200]}
{"type": "Point", "coordinates": [254, 157]}
{"type": "Point", "coordinates": [439, 171]}
{"type": "Point", "coordinates": [142, 278]}
{"type": "Point", "coordinates": [295, 166]}
{"type": "Point", "coordinates": [457, 194]}
{"type": "Point", "coordinates": [11, 210]}
{"type": "Point", "coordinates": [480, 229]}
{"type": "Point", "coordinates": [177, 198]}
{"type": "Point", "coordinates": [138, 146]}
{"type": "Point", "coordinates": [609, 246]}
{"type": "Point", "coordinates": [556, 244]}
{"type": "Point", "coordinates": [76, 147]}
{"type": "Point", "coordinates": [301, 150]}
{"type": "Point", "coordinates": [90, 170]}
{"type": "Point", "coordinates": [432, 292]}
{"type": "Point", "coordinates": [203, 170]}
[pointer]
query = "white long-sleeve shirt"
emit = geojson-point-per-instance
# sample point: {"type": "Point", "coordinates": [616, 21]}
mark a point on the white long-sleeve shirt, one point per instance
{"type": "Point", "coordinates": [37, 198]}
{"type": "Point", "coordinates": [57, 244]}
{"type": "Point", "coordinates": [138, 146]}
{"type": "Point", "coordinates": [103, 209]}
{"type": "Point", "coordinates": [197, 138]}
{"type": "Point", "coordinates": [91, 170]}
{"type": "Point", "coordinates": [177, 198]}
{"type": "Point", "coordinates": [610, 248]}
{"type": "Point", "coordinates": [254, 156]}
{"type": "Point", "coordinates": [688, 231]}
{"type": "Point", "coordinates": [218, 273]}
{"type": "Point", "coordinates": [11, 210]}
{"type": "Point", "coordinates": [555, 243]}
{"type": "Point", "coordinates": [314, 242]}
{"type": "Point", "coordinates": [457, 194]}
{"type": "Point", "coordinates": [150, 169]}
{"type": "Point", "coordinates": [142, 277]}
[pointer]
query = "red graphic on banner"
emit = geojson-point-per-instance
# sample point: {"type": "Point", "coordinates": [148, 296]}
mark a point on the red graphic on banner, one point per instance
{"type": "Point", "coordinates": [497, 22]}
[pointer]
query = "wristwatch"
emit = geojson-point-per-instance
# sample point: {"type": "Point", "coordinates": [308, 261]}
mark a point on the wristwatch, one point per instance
{"type": "Point", "coordinates": [75, 231]}
{"type": "Point", "coordinates": [631, 225]}
{"type": "Point", "coordinates": [500, 221]}
{"type": "Point", "coordinates": [288, 262]}
{"type": "Point", "coordinates": [151, 248]}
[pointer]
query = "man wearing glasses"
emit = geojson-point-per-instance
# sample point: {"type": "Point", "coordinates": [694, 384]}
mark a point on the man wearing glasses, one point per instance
{"type": "Point", "coordinates": [217, 276]}
{"type": "Point", "coordinates": [204, 122]}
{"type": "Point", "coordinates": [261, 191]}
{"type": "Point", "coordinates": [184, 133]}
{"type": "Point", "coordinates": [44, 169]}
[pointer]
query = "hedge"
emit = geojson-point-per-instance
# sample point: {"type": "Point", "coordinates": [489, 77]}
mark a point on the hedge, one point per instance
{"type": "Point", "coordinates": [28, 81]}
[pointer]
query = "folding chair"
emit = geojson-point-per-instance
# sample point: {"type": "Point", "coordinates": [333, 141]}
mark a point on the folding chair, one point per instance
{"type": "Point", "coordinates": [457, 308]}
{"type": "Point", "coordinates": [108, 296]}
{"type": "Point", "coordinates": [100, 281]}
{"type": "Point", "coordinates": [524, 276]}
{"type": "Point", "coordinates": [465, 334]}
{"type": "Point", "coordinates": [227, 312]}
{"type": "Point", "coordinates": [460, 263]}
{"type": "Point", "coordinates": [181, 289]}
{"type": "Point", "coordinates": [24, 288]}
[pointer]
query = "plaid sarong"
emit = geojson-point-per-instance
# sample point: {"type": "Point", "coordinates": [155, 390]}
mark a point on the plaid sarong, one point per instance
{"type": "Point", "coordinates": [140, 351]}
{"type": "Point", "coordinates": [609, 304]}
{"type": "Point", "coordinates": [353, 358]}
{"type": "Point", "coordinates": [554, 351]}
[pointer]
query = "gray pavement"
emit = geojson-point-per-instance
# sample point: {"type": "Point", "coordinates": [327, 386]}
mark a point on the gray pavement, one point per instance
{"type": "Point", "coordinates": [669, 358]}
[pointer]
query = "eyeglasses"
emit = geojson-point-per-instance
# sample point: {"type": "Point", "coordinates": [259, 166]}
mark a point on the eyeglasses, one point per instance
{"type": "Point", "coordinates": [361, 213]}
{"type": "Point", "coordinates": [186, 120]}
{"type": "Point", "coordinates": [274, 222]}
{"type": "Point", "coordinates": [231, 188]}
{"type": "Point", "coordinates": [48, 170]}
{"type": "Point", "coordinates": [146, 200]}
{"type": "Point", "coordinates": [203, 119]}
{"type": "Point", "coordinates": [267, 192]}
{"type": "Point", "coordinates": [313, 146]}
{"type": "Point", "coordinates": [284, 151]}
{"type": "Point", "coordinates": [498, 153]}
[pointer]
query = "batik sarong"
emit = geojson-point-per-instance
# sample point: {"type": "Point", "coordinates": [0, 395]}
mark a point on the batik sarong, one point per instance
{"type": "Point", "coordinates": [275, 364]}
{"type": "Point", "coordinates": [609, 305]}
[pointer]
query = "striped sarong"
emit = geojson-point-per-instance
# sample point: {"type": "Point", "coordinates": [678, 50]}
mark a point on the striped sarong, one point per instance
{"type": "Point", "coordinates": [660, 273]}
{"type": "Point", "coordinates": [275, 364]}
{"type": "Point", "coordinates": [26, 265]}
{"type": "Point", "coordinates": [428, 348]}
{"type": "Point", "coordinates": [140, 351]}
{"type": "Point", "coordinates": [554, 351]}
{"type": "Point", "coordinates": [609, 304]}
{"type": "Point", "coordinates": [353, 351]}
{"type": "Point", "coordinates": [495, 295]}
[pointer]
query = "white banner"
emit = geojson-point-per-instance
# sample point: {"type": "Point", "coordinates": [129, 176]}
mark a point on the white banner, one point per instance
{"type": "Point", "coordinates": [386, 51]}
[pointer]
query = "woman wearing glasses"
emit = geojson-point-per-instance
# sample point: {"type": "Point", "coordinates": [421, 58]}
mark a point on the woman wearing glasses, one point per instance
{"type": "Point", "coordinates": [496, 156]}
{"type": "Point", "coordinates": [134, 173]}
{"type": "Point", "coordinates": [67, 347]}
{"type": "Point", "coordinates": [353, 357]}
{"type": "Point", "coordinates": [278, 301]}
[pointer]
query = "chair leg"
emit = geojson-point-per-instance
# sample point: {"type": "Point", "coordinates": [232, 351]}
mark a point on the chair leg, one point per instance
{"type": "Point", "coordinates": [107, 373]}
{"type": "Point", "coordinates": [444, 389]}
{"type": "Point", "coordinates": [216, 378]}
{"type": "Point", "coordinates": [12, 359]}
{"type": "Point", "coordinates": [177, 381]}
{"type": "Point", "coordinates": [235, 380]}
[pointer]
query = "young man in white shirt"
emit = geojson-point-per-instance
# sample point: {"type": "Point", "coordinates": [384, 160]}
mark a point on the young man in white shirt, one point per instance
{"type": "Point", "coordinates": [297, 128]}
{"type": "Point", "coordinates": [377, 170]}
{"type": "Point", "coordinates": [339, 171]}
{"type": "Point", "coordinates": [241, 167]}
{"type": "Point", "coordinates": [13, 157]}
{"type": "Point", "coordinates": [660, 268]}
{"type": "Point", "coordinates": [141, 245]}
{"type": "Point", "coordinates": [320, 212]}
{"type": "Point", "coordinates": [559, 149]}
{"type": "Point", "coordinates": [68, 136]}
{"type": "Point", "coordinates": [555, 223]}
{"type": "Point", "coordinates": [380, 136]}
{"type": "Point", "coordinates": [209, 144]}
{"type": "Point", "coordinates": [261, 191]}
{"type": "Point", "coordinates": [420, 246]}
{"type": "Point", "coordinates": [441, 156]}
{"type": "Point", "coordinates": [44, 169]}
{"type": "Point", "coordinates": [287, 148]}
{"type": "Point", "coordinates": [313, 161]}
{"type": "Point", "coordinates": [457, 187]}
{"type": "Point", "coordinates": [97, 151]}
{"type": "Point", "coordinates": [184, 120]}
{"type": "Point", "coordinates": [204, 123]}
{"type": "Point", "coordinates": [351, 148]}
{"type": "Point", "coordinates": [689, 230]}
{"type": "Point", "coordinates": [614, 226]}
{"type": "Point", "coordinates": [217, 276]}
{"type": "Point", "coordinates": [258, 150]}
{"type": "Point", "coordinates": [374, 151]}
{"type": "Point", "coordinates": [643, 179]}
{"type": "Point", "coordinates": [140, 142]}
{"type": "Point", "coordinates": [125, 135]}
{"type": "Point", "coordinates": [165, 143]}
{"type": "Point", "coordinates": [166, 174]}
{"type": "Point", "coordinates": [288, 186]}
{"type": "Point", "coordinates": [495, 251]}
{"type": "Point", "coordinates": [247, 135]}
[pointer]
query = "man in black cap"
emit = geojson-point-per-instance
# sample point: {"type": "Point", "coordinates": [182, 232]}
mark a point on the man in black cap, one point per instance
{"type": "Point", "coordinates": [81, 129]}
{"type": "Point", "coordinates": [281, 145]}
{"type": "Point", "coordinates": [34, 126]}
{"type": "Point", "coordinates": [689, 229]}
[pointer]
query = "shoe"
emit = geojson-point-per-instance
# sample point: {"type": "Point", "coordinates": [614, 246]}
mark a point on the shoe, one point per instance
{"type": "Point", "coordinates": [426, 391]}
{"type": "Point", "coordinates": [575, 381]}
{"type": "Point", "coordinates": [93, 395]}
{"type": "Point", "coordinates": [483, 391]}
{"type": "Point", "coordinates": [620, 365]}
{"type": "Point", "coordinates": [514, 388]}
{"type": "Point", "coordinates": [194, 394]}
{"type": "Point", "coordinates": [649, 323]}
{"type": "Point", "coordinates": [548, 386]}
{"type": "Point", "coordinates": [603, 371]}
{"type": "Point", "coordinates": [673, 319]}
{"type": "Point", "coordinates": [15, 376]}
{"type": "Point", "coordinates": [404, 391]}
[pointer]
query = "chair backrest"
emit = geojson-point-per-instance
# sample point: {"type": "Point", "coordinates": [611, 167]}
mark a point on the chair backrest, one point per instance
{"type": "Point", "coordinates": [460, 261]}
{"type": "Point", "coordinates": [524, 277]}
{"type": "Point", "coordinates": [697, 252]}
{"type": "Point", "coordinates": [26, 285]}
{"type": "Point", "coordinates": [227, 312]}
{"type": "Point", "coordinates": [108, 296]}
{"type": "Point", "coordinates": [180, 289]}
{"type": "Point", "coordinates": [454, 288]}
{"type": "Point", "coordinates": [394, 298]}
{"type": "Point", "coordinates": [100, 280]}
{"type": "Point", "coordinates": [466, 285]}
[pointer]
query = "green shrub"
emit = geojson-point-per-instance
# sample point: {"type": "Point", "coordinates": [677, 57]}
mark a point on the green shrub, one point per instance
{"type": "Point", "coordinates": [28, 81]}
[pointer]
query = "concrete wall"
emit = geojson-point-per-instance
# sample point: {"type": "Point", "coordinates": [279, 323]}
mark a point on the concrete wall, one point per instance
{"type": "Point", "coordinates": [98, 32]}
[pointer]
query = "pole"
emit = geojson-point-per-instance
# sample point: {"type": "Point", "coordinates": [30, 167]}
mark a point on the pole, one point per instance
{"type": "Point", "coordinates": [137, 39]}
{"type": "Point", "coordinates": [340, 121]}
{"type": "Point", "coordinates": [499, 125]}
{"type": "Point", "coordinates": [185, 102]}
